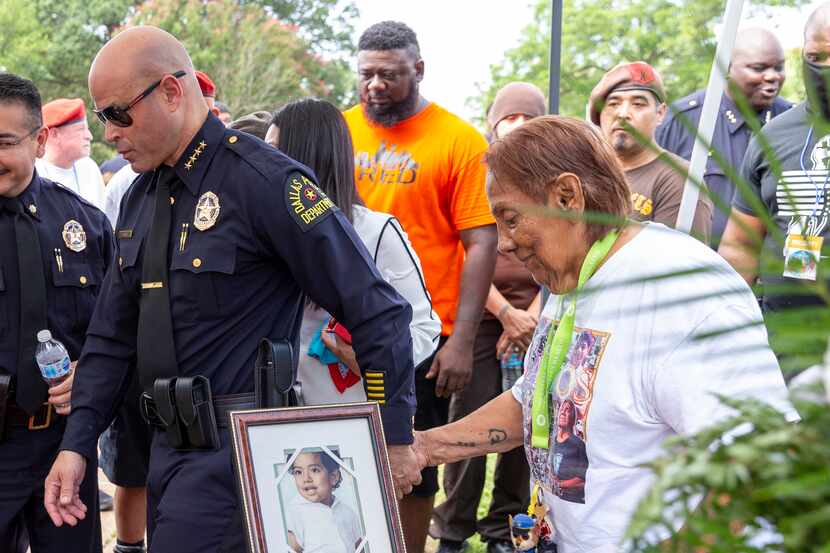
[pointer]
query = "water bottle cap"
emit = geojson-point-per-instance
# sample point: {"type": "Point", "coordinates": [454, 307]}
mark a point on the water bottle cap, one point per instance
{"type": "Point", "coordinates": [44, 336]}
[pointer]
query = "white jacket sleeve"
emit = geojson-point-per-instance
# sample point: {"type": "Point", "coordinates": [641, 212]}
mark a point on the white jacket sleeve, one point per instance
{"type": "Point", "coordinates": [399, 265]}
{"type": "Point", "coordinates": [117, 187]}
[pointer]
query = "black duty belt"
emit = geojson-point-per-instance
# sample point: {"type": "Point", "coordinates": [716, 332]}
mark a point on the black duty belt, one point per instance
{"type": "Point", "coordinates": [222, 406]}
{"type": "Point", "coordinates": [185, 410]}
{"type": "Point", "coordinates": [14, 416]}
{"type": "Point", "coordinates": [43, 418]}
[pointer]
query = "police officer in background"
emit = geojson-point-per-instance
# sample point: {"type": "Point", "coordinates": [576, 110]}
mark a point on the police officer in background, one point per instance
{"type": "Point", "coordinates": [218, 240]}
{"type": "Point", "coordinates": [54, 250]}
{"type": "Point", "coordinates": [792, 192]}
{"type": "Point", "coordinates": [756, 70]}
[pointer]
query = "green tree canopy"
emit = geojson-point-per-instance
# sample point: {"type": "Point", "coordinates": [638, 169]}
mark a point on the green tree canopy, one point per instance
{"type": "Point", "coordinates": [675, 37]}
{"type": "Point", "coordinates": [260, 53]}
{"type": "Point", "coordinates": [256, 60]}
{"type": "Point", "coordinates": [328, 25]}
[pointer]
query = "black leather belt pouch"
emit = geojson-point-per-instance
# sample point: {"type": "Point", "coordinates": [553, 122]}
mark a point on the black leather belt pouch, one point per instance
{"type": "Point", "coordinates": [5, 394]}
{"type": "Point", "coordinates": [167, 412]}
{"type": "Point", "coordinates": [196, 413]}
{"type": "Point", "coordinates": [275, 375]}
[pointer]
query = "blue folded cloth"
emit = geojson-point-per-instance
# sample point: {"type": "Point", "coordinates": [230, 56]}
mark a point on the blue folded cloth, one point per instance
{"type": "Point", "coordinates": [318, 350]}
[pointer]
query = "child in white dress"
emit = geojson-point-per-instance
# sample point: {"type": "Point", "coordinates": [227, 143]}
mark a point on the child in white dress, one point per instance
{"type": "Point", "coordinates": [317, 521]}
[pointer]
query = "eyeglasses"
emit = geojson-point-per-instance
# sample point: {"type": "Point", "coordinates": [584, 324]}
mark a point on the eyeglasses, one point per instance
{"type": "Point", "coordinates": [119, 116]}
{"type": "Point", "coordinates": [6, 144]}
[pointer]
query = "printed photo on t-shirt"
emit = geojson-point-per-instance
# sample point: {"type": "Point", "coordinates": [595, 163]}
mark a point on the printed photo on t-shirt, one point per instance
{"type": "Point", "coordinates": [562, 468]}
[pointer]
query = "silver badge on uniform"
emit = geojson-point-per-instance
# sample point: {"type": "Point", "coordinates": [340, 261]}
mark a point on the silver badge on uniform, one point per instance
{"type": "Point", "coordinates": [74, 236]}
{"type": "Point", "coordinates": [207, 211]}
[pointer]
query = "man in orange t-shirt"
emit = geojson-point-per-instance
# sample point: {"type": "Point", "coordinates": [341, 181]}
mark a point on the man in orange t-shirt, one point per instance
{"type": "Point", "coordinates": [423, 165]}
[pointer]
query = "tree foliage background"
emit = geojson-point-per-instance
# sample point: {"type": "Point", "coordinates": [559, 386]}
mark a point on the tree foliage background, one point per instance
{"type": "Point", "coordinates": [260, 53]}
{"type": "Point", "coordinates": [766, 490]}
{"type": "Point", "coordinates": [674, 36]}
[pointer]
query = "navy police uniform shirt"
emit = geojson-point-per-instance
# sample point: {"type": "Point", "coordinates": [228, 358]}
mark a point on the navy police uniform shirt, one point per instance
{"type": "Point", "coordinates": [730, 139]}
{"type": "Point", "coordinates": [76, 245]}
{"type": "Point", "coordinates": [251, 235]}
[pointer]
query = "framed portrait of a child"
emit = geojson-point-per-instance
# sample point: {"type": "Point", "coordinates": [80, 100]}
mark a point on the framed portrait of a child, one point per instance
{"type": "Point", "coordinates": [316, 480]}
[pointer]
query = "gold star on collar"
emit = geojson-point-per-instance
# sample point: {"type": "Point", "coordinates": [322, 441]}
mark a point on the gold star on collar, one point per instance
{"type": "Point", "coordinates": [197, 151]}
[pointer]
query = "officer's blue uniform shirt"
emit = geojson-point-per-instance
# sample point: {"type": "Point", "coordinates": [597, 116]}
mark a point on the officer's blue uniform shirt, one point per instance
{"type": "Point", "coordinates": [65, 223]}
{"type": "Point", "coordinates": [730, 139]}
{"type": "Point", "coordinates": [250, 235]}
{"type": "Point", "coordinates": [76, 247]}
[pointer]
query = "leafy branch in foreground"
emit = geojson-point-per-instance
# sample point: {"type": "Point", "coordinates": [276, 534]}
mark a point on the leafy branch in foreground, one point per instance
{"type": "Point", "coordinates": [766, 485]}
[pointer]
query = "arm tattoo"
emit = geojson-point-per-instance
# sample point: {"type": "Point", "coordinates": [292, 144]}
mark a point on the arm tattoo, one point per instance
{"type": "Point", "coordinates": [497, 435]}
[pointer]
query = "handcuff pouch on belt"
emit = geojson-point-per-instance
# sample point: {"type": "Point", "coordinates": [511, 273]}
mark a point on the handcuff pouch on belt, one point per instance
{"type": "Point", "coordinates": [275, 375]}
{"type": "Point", "coordinates": [195, 404]}
{"type": "Point", "coordinates": [5, 394]}
{"type": "Point", "coordinates": [183, 408]}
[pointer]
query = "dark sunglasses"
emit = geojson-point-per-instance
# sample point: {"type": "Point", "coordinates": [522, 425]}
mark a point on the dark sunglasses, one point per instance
{"type": "Point", "coordinates": [119, 116]}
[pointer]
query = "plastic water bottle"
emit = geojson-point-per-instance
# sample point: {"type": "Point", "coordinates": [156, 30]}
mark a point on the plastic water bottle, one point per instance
{"type": "Point", "coordinates": [512, 366]}
{"type": "Point", "coordinates": [52, 358]}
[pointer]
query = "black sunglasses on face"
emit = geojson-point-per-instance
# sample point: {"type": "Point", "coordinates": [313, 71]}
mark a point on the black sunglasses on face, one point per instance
{"type": "Point", "coordinates": [118, 115]}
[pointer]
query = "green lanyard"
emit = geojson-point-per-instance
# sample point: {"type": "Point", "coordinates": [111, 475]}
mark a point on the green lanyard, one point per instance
{"type": "Point", "coordinates": [556, 347]}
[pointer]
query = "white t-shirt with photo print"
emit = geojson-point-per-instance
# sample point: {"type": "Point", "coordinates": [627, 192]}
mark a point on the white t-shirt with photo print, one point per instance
{"type": "Point", "coordinates": [643, 365]}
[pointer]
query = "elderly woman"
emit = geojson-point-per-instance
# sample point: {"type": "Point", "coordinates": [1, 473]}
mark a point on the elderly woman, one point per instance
{"type": "Point", "coordinates": [643, 325]}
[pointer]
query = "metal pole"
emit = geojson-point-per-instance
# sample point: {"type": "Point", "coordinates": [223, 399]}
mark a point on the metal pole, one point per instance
{"type": "Point", "coordinates": [714, 91]}
{"type": "Point", "coordinates": [554, 76]}
{"type": "Point", "coordinates": [555, 68]}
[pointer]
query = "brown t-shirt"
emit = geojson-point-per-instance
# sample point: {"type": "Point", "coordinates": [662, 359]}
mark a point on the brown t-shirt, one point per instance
{"type": "Point", "coordinates": [514, 282]}
{"type": "Point", "coordinates": [656, 192]}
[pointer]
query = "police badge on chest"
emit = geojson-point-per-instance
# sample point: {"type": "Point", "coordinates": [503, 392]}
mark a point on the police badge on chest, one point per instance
{"type": "Point", "coordinates": [207, 211]}
{"type": "Point", "coordinates": [74, 236]}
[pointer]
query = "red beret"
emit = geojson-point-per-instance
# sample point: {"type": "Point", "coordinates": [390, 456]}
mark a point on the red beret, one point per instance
{"type": "Point", "coordinates": [63, 111]}
{"type": "Point", "coordinates": [626, 76]}
{"type": "Point", "coordinates": [207, 86]}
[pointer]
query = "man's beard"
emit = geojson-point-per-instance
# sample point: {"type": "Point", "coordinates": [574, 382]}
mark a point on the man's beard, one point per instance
{"type": "Point", "coordinates": [625, 145]}
{"type": "Point", "coordinates": [392, 114]}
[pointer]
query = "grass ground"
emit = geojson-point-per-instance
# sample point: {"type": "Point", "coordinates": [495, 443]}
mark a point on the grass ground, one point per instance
{"type": "Point", "coordinates": [476, 546]}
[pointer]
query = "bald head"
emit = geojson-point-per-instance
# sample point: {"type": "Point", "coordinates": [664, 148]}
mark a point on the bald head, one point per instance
{"type": "Point", "coordinates": [164, 121]}
{"type": "Point", "coordinates": [818, 22]}
{"type": "Point", "coordinates": [755, 39]}
{"type": "Point", "coordinates": [757, 67]}
{"type": "Point", "coordinates": [142, 54]}
{"type": "Point", "coordinates": [817, 36]}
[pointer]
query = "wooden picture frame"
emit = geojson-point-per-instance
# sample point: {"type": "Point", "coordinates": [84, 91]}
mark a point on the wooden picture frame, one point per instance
{"type": "Point", "coordinates": [308, 475]}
